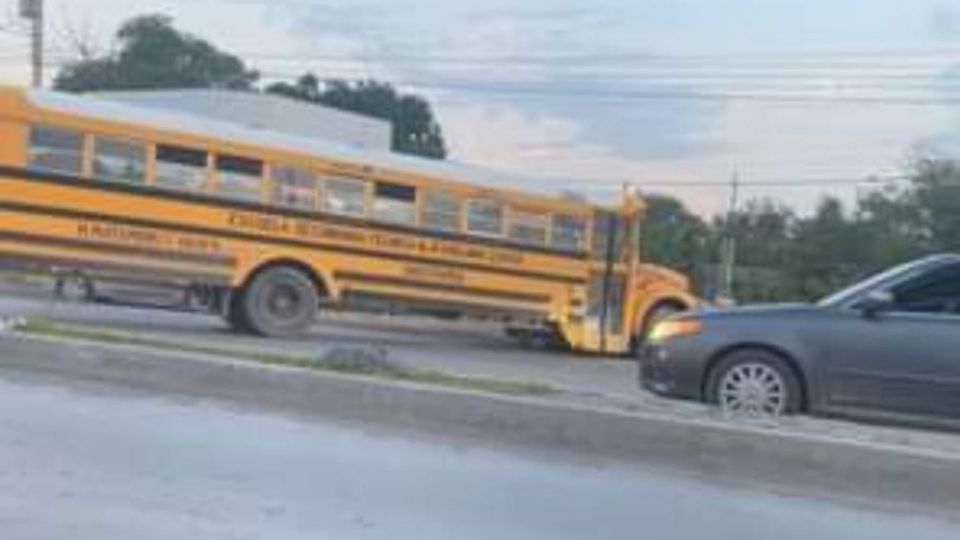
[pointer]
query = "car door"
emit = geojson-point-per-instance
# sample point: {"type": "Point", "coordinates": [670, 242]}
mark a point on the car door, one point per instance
{"type": "Point", "coordinates": [906, 357]}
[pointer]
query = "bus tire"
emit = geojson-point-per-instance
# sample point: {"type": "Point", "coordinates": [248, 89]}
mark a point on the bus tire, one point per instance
{"type": "Point", "coordinates": [279, 302]}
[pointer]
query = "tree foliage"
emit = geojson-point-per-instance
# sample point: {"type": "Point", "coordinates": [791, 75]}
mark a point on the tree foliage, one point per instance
{"type": "Point", "coordinates": [782, 256]}
{"type": "Point", "coordinates": [151, 54]}
{"type": "Point", "coordinates": [415, 131]}
{"type": "Point", "coordinates": [673, 236]}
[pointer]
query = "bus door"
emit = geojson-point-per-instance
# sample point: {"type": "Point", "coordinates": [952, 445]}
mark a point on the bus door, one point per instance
{"type": "Point", "coordinates": [609, 256]}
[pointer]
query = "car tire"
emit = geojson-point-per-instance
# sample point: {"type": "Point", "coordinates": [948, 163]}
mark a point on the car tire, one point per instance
{"type": "Point", "coordinates": [754, 382]}
{"type": "Point", "coordinates": [279, 302]}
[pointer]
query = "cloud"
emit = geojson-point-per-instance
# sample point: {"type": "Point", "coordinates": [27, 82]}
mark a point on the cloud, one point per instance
{"type": "Point", "coordinates": [516, 56]}
{"type": "Point", "coordinates": [564, 130]}
{"type": "Point", "coordinates": [551, 154]}
{"type": "Point", "coordinates": [946, 142]}
{"type": "Point", "coordinates": [944, 22]}
{"type": "Point", "coordinates": [614, 115]}
{"type": "Point", "coordinates": [559, 126]}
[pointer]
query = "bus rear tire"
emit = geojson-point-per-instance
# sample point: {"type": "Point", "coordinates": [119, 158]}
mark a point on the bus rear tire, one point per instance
{"type": "Point", "coordinates": [278, 302]}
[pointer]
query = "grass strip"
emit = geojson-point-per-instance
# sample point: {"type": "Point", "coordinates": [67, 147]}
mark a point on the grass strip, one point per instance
{"type": "Point", "coordinates": [337, 359]}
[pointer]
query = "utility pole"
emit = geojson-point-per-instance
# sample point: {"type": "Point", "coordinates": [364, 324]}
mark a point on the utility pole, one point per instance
{"type": "Point", "coordinates": [32, 10]}
{"type": "Point", "coordinates": [730, 243]}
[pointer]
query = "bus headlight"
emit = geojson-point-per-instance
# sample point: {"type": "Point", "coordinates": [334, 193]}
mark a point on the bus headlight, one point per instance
{"type": "Point", "coordinates": [674, 328]}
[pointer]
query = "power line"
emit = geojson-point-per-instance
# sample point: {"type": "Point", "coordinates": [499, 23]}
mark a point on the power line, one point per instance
{"type": "Point", "coordinates": [900, 76]}
{"type": "Point", "coordinates": [778, 92]}
{"type": "Point", "coordinates": [785, 95]}
{"type": "Point", "coordinates": [713, 70]}
{"type": "Point", "coordinates": [680, 88]}
{"type": "Point", "coordinates": [681, 84]}
{"type": "Point", "coordinates": [799, 58]}
{"type": "Point", "coordinates": [644, 63]}
{"type": "Point", "coordinates": [768, 82]}
{"type": "Point", "coordinates": [795, 182]}
{"type": "Point", "coordinates": [779, 69]}
{"type": "Point", "coordinates": [820, 78]}
{"type": "Point", "coordinates": [654, 94]}
{"type": "Point", "coordinates": [811, 182]}
{"type": "Point", "coordinates": [897, 71]}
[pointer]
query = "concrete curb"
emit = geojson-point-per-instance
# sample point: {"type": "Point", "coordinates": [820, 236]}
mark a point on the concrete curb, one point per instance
{"type": "Point", "coordinates": [902, 476]}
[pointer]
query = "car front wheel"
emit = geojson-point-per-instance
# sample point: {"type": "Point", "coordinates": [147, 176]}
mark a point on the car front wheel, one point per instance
{"type": "Point", "coordinates": [754, 383]}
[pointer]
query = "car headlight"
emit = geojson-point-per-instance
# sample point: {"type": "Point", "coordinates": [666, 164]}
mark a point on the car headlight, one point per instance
{"type": "Point", "coordinates": [672, 328]}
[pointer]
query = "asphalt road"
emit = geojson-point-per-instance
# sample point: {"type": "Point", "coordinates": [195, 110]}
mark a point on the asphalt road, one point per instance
{"type": "Point", "coordinates": [93, 463]}
{"type": "Point", "coordinates": [465, 348]}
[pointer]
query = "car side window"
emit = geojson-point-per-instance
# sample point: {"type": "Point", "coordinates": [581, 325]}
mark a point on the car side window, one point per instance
{"type": "Point", "coordinates": [936, 291]}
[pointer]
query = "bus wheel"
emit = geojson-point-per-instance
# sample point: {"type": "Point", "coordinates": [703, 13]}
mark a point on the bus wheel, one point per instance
{"type": "Point", "coordinates": [280, 302]}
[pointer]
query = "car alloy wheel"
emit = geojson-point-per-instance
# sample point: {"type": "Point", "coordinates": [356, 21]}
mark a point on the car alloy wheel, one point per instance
{"type": "Point", "coordinates": [752, 389]}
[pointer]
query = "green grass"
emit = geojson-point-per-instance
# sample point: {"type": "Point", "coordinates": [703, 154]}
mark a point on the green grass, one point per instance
{"type": "Point", "coordinates": [336, 360]}
{"type": "Point", "coordinates": [19, 277]}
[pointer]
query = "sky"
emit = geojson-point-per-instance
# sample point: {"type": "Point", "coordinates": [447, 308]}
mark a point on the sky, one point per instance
{"type": "Point", "coordinates": [796, 99]}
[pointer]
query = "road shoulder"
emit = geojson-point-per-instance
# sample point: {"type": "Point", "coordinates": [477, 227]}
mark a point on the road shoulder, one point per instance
{"type": "Point", "coordinates": [901, 476]}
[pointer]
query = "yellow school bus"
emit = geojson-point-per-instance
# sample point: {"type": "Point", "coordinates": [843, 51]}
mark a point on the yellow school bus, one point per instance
{"type": "Point", "coordinates": [272, 227]}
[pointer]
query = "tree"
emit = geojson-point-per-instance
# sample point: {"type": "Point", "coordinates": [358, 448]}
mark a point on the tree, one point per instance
{"type": "Point", "coordinates": [828, 251]}
{"type": "Point", "coordinates": [936, 195]}
{"type": "Point", "coordinates": [152, 54]}
{"type": "Point", "coordinates": [415, 131]}
{"type": "Point", "coordinates": [762, 229]}
{"type": "Point", "coordinates": [891, 228]}
{"type": "Point", "coordinates": [782, 256]}
{"type": "Point", "coordinates": [672, 236]}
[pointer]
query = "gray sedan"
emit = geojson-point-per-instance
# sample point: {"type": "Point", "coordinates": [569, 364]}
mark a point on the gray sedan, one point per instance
{"type": "Point", "coordinates": [886, 347]}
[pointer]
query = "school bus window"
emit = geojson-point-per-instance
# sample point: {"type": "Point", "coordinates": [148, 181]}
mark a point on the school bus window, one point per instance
{"type": "Point", "coordinates": [181, 168]}
{"type": "Point", "coordinates": [440, 211]}
{"type": "Point", "coordinates": [528, 227]}
{"type": "Point", "coordinates": [119, 160]}
{"type": "Point", "coordinates": [485, 217]}
{"type": "Point", "coordinates": [55, 150]}
{"type": "Point", "coordinates": [345, 196]}
{"type": "Point", "coordinates": [239, 177]}
{"type": "Point", "coordinates": [294, 187]}
{"type": "Point", "coordinates": [568, 232]}
{"type": "Point", "coordinates": [396, 203]}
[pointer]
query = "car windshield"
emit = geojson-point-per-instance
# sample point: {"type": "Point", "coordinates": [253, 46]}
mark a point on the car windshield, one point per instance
{"type": "Point", "coordinates": [890, 275]}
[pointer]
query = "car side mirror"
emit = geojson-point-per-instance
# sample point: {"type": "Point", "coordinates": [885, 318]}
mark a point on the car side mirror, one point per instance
{"type": "Point", "coordinates": [875, 303]}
